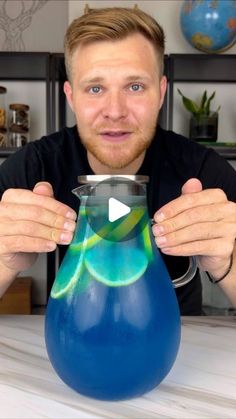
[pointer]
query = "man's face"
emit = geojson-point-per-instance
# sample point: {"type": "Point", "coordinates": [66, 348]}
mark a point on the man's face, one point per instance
{"type": "Point", "coordinates": [116, 93]}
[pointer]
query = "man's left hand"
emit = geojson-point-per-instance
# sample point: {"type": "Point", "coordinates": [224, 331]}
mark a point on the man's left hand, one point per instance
{"type": "Point", "coordinates": [199, 223]}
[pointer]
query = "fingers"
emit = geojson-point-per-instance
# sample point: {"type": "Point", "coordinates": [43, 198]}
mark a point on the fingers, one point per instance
{"type": "Point", "coordinates": [26, 197]}
{"type": "Point", "coordinates": [189, 200]}
{"type": "Point", "coordinates": [34, 229]}
{"type": "Point", "coordinates": [204, 232]}
{"type": "Point", "coordinates": [20, 244]}
{"type": "Point", "coordinates": [199, 222]}
{"type": "Point", "coordinates": [17, 212]}
{"type": "Point", "coordinates": [33, 221]}
{"type": "Point", "coordinates": [191, 186]}
{"type": "Point", "coordinates": [43, 188]}
{"type": "Point", "coordinates": [197, 215]}
{"type": "Point", "coordinates": [220, 248]}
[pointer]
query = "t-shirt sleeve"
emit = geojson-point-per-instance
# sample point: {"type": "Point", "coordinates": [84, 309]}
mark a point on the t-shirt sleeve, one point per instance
{"type": "Point", "coordinates": [21, 170]}
{"type": "Point", "coordinates": [216, 172]}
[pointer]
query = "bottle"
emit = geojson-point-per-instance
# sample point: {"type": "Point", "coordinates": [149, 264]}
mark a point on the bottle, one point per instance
{"type": "Point", "coordinates": [3, 124]}
{"type": "Point", "coordinates": [112, 325]}
{"type": "Point", "coordinates": [19, 124]}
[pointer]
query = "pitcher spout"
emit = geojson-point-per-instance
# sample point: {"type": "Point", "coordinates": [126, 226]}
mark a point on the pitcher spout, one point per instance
{"type": "Point", "coordinates": [83, 190]}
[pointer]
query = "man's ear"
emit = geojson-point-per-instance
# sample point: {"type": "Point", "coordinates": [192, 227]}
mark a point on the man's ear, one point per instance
{"type": "Point", "coordinates": [163, 87]}
{"type": "Point", "coordinates": [69, 94]}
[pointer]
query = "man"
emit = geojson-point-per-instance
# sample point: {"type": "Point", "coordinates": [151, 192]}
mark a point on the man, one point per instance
{"type": "Point", "coordinates": [116, 87]}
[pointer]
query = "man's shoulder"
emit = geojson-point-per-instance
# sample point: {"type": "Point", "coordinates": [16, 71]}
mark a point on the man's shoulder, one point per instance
{"type": "Point", "coordinates": [182, 159]}
{"type": "Point", "coordinates": [180, 151]}
{"type": "Point", "coordinates": [177, 143]}
{"type": "Point", "coordinates": [56, 142]}
{"type": "Point", "coordinates": [48, 158]}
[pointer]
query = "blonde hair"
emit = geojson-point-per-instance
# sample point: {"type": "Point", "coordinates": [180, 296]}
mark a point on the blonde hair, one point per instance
{"type": "Point", "coordinates": [112, 24]}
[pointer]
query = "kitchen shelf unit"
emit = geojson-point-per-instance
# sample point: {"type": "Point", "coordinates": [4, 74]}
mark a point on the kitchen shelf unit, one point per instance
{"type": "Point", "coordinates": [202, 68]}
{"type": "Point", "coordinates": [27, 66]}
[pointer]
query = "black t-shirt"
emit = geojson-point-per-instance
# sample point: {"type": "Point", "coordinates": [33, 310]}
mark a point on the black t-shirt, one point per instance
{"type": "Point", "coordinates": [169, 162]}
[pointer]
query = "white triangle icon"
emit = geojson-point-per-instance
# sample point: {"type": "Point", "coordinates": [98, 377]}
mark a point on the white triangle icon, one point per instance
{"type": "Point", "coordinates": [116, 209]}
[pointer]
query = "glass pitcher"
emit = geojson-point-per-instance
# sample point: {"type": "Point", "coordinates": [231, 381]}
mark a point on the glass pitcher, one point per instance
{"type": "Point", "coordinates": [112, 325]}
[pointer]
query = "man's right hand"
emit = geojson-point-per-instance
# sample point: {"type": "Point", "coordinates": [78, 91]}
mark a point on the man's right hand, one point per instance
{"type": "Point", "coordinates": [32, 222]}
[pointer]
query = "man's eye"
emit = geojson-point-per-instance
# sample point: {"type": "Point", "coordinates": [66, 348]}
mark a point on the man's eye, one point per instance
{"type": "Point", "coordinates": [136, 87]}
{"type": "Point", "coordinates": [95, 89]}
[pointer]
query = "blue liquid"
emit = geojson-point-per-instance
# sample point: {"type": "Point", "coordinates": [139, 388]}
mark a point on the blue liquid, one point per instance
{"type": "Point", "coordinates": [115, 342]}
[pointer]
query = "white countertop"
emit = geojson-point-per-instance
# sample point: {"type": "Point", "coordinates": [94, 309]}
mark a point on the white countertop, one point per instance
{"type": "Point", "coordinates": [201, 384]}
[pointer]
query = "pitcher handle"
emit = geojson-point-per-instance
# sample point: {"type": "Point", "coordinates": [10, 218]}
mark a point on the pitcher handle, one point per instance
{"type": "Point", "coordinates": [188, 276]}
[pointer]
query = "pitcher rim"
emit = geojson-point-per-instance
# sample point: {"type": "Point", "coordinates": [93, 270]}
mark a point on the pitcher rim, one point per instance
{"type": "Point", "coordinates": [84, 179]}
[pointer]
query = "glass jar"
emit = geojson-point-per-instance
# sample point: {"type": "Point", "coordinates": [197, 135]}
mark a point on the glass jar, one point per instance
{"type": "Point", "coordinates": [3, 137]}
{"type": "Point", "coordinates": [3, 119]}
{"type": "Point", "coordinates": [19, 124]}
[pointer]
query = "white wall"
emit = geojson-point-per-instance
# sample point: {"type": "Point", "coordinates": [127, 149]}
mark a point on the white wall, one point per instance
{"type": "Point", "coordinates": [43, 31]}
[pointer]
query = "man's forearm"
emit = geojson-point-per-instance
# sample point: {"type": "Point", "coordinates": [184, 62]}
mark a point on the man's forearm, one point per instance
{"type": "Point", "coordinates": [228, 284]}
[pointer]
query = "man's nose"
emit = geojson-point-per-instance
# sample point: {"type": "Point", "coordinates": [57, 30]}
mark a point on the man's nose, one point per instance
{"type": "Point", "coordinates": [115, 107]}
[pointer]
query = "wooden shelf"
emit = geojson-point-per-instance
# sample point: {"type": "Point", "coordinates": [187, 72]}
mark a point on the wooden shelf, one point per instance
{"type": "Point", "coordinates": [200, 68]}
{"type": "Point", "coordinates": [17, 299]}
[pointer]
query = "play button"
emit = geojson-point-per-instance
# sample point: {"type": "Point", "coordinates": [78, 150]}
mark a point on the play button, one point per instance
{"type": "Point", "coordinates": [116, 210]}
{"type": "Point", "coordinates": [115, 207]}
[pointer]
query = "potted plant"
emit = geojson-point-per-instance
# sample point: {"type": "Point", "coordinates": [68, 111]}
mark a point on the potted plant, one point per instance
{"type": "Point", "coordinates": [203, 122]}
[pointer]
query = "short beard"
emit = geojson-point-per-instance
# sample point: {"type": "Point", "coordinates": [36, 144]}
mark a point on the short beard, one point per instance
{"type": "Point", "coordinates": [116, 158]}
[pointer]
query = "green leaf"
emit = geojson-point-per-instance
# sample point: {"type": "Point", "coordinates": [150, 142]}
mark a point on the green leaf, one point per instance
{"type": "Point", "coordinates": [211, 97]}
{"type": "Point", "coordinates": [198, 110]}
{"type": "Point", "coordinates": [179, 91]}
{"type": "Point", "coordinates": [203, 101]}
{"type": "Point", "coordinates": [189, 104]}
{"type": "Point", "coordinates": [208, 103]}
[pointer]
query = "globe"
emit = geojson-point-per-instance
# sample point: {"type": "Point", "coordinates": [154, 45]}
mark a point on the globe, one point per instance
{"type": "Point", "coordinates": [209, 25]}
